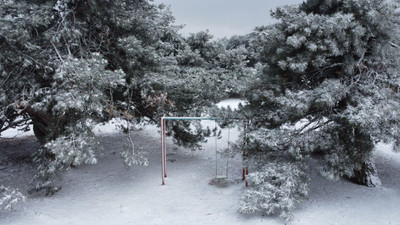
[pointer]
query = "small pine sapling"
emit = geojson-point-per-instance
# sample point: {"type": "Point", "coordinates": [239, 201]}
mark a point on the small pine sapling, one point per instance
{"type": "Point", "coordinates": [275, 189]}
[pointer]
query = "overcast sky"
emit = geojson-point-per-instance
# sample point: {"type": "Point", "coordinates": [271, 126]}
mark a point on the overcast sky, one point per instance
{"type": "Point", "coordinates": [223, 17]}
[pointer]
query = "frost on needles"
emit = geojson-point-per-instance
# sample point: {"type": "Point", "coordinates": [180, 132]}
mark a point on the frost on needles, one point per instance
{"type": "Point", "coordinates": [66, 65]}
{"type": "Point", "coordinates": [328, 89]}
{"type": "Point", "coordinates": [321, 84]}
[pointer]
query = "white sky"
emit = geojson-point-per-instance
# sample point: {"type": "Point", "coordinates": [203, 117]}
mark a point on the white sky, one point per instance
{"type": "Point", "coordinates": [223, 17]}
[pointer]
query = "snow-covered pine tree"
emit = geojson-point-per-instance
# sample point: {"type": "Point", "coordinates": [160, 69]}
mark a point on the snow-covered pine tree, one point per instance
{"type": "Point", "coordinates": [66, 64]}
{"type": "Point", "coordinates": [202, 72]}
{"type": "Point", "coordinates": [329, 86]}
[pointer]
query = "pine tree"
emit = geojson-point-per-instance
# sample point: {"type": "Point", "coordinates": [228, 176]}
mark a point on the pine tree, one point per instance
{"type": "Point", "coordinates": [68, 64]}
{"type": "Point", "coordinates": [329, 85]}
{"type": "Point", "coordinates": [203, 72]}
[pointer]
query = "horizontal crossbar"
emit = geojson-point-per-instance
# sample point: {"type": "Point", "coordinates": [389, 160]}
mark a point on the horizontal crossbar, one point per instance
{"type": "Point", "coordinates": [189, 118]}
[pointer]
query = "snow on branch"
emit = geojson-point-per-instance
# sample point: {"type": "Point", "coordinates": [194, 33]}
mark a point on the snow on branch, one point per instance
{"type": "Point", "coordinates": [9, 197]}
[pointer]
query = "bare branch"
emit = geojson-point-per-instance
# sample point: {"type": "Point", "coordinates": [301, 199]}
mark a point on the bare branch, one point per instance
{"type": "Point", "coordinates": [58, 53]}
{"type": "Point", "coordinates": [394, 45]}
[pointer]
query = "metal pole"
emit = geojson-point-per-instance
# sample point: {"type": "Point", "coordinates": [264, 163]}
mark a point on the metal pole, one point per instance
{"type": "Point", "coordinates": [165, 149]}
{"type": "Point", "coordinates": [216, 150]}
{"type": "Point", "coordinates": [245, 153]}
{"type": "Point", "coordinates": [162, 151]}
{"type": "Point", "coordinates": [227, 157]}
{"type": "Point", "coordinates": [189, 118]}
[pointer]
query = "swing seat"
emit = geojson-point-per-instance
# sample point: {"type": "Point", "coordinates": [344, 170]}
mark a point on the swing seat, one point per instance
{"type": "Point", "coordinates": [221, 177]}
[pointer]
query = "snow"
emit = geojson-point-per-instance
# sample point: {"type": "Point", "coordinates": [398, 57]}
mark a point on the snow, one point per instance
{"type": "Point", "coordinates": [13, 133]}
{"type": "Point", "coordinates": [107, 193]}
{"type": "Point", "coordinates": [233, 103]}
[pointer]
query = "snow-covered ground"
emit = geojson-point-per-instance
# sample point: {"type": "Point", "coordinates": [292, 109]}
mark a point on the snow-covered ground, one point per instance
{"type": "Point", "coordinates": [107, 193]}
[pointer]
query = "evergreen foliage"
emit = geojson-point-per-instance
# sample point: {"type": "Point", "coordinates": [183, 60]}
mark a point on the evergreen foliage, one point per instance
{"type": "Point", "coordinates": [329, 85]}
{"type": "Point", "coordinates": [66, 65]}
{"type": "Point", "coordinates": [277, 187]}
{"type": "Point", "coordinates": [323, 81]}
{"type": "Point", "coordinates": [203, 72]}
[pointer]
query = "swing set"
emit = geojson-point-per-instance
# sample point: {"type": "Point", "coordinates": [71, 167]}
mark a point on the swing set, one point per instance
{"type": "Point", "coordinates": [164, 149]}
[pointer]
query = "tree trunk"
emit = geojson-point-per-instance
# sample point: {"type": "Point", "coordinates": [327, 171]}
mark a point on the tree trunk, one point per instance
{"type": "Point", "coordinates": [40, 130]}
{"type": "Point", "coordinates": [367, 175]}
{"type": "Point", "coordinates": [44, 126]}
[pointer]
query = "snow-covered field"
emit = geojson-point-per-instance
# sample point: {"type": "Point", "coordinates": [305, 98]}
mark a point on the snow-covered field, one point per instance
{"type": "Point", "coordinates": [107, 193]}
